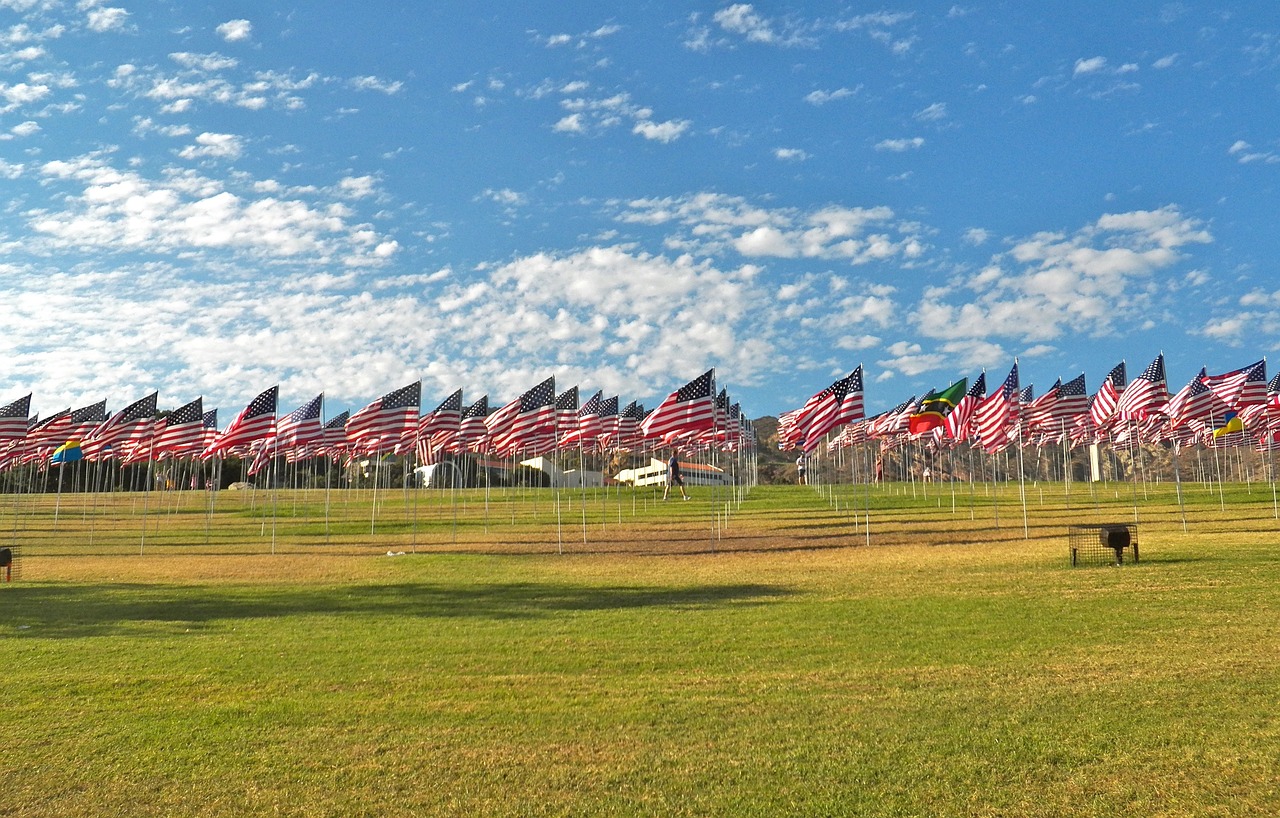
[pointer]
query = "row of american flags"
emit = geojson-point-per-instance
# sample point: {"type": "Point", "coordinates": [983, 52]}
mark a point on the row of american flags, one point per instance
{"type": "Point", "coordinates": [542, 420]}
{"type": "Point", "coordinates": [1234, 408]}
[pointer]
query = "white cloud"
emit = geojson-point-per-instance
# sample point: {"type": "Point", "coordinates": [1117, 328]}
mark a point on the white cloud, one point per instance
{"type": "Point", "coordinates": [1166, 62]}
{"type": "Point", "coordinates": [204, 62]}
{"type": "Point", "coordinates": [1090, 66]}
{"type": "Point", "coordinates": [106, 19]}
{"type": "Point", "coordinates": [571, 123]}
{"type": "Point", "coordinates": [1051, 283]}
{"type": "Point", "coordinates": [664, 132]}
{"type": "Point", "coordinates": [19, 94]}
{"type": "Point", "coordinates": [900, 145]}
{"type": "Point", "coordinates": [25, 128]}
{"type": "Point", "coordinates": [1245, 154]}
{"type": "Point", "coordinates": [376, 84]}
{"type": "Point", "coordinates": [741, 18]}
{"type": "Point", "coordinates": [357, 187]}
{"type": "Point", "coordinates": [715, 223]}
{"type": "Point", "coordinates": [214, 146]}
{"type": "Point", "coordinates": [105, 209]}
{"type": "Point", "coordinates": [235, 31]}
{"type": "Point", "coordinates": [790, 154]}
{"type": "Point", "coordinates": [932, 113]}
{"type": "Point", "coordinates": [820, 97]}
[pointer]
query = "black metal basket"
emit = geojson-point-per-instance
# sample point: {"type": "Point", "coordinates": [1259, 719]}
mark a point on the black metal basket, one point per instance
{"type": "Point", "coordinates": [1102, 543]}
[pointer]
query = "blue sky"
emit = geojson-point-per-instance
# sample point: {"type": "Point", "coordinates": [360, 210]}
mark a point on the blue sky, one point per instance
{"type": "Point", "coordinates": [207, 199]}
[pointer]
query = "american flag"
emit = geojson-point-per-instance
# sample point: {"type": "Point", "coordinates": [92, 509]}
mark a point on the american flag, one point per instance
{"type": "Point", "coordinates": [381, 425]}
{"type": "Point", "coordinates": [586, 429]}
{"type": "Point", "coordinates": [629, 426]}
{"type": "Point", "coordinates": [993, 417]}
{"type": "Point", "coordinates": [86, 419]}
{"type": "Point", "coordinates": [182, 432]}
{"type": "Point", "coordinates": [438, 428]}
{"type": "Point", "coordinates": [255, 422]}
{"type": "Point", "coordinates": [1103, 407]}
{"type": "Point", "coordinates": [1038, 414]}
{"type": "Point", "coordinates": [789, 434]}
{"type": "Point", "coordinates": [473, 435]}
{"type": "Point", "coordinates": [13, 419]}
{"type": "Point", "coordinates": [334, 437]}
{"type": "Point", "coordinates": [210, 424]}
{"type": "Point", "coordinates": [834, 408]}
{"type": "Point", "coordinates": [1145, 394]}
{"type": "Point", "coordinates": [895, 421]}
{"type": "Point", "coordinates": [52, 431]}
{"type": "Point", "coordinates": [1073, 400]}
{"type": "Point", "coordinates": [302, 426]}
{"type": "Point", "coordinates": [609, 421]}
{"type": "Point", "coordinates": [1241, 388]}
{"type": "Point", "coordinates": [959, 424]}
{"type": "Point", "coordinates": [689, 409]}
{"type": "Point", "coordinates": [567, 411]}
{"type": "Point", "coordinates": [128, 428]}
{"type": "Point", "coordinates": [525, 419]}
{"type": "Point", "coordinates": [1195, 401]}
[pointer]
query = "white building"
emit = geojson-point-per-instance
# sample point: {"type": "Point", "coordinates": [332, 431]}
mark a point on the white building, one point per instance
{"type": "Point", "coordinates": [560, 479]}
{"type": "Point", "coordinates": [655, 474]}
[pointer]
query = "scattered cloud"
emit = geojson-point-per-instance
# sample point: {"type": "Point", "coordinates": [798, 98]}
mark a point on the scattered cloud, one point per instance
{"type": "Point", "coordinates": [376, 84]}
{"type": "Point", "coordinates": [1245, 154]}
{"type": "Point", "coordinates": [900, 145]}
{"type": "Point", "coordinates": [790, 154]}
{"type": "Point", "coordinates": [1052, 283]}
{"type": "Point", "coordinates": [235, 31]}
{"type": "Point", "coordinates": [820, 97]}
{"type": "Point", "coordinates": [1091, 65]}
{"type": "Point", "coordinates": [664, 132]}
{"type": "Point", "coordinates": [103, 19]}
{"type": "Point", "coordinates": [214, 146]}
{"type": "Point", "coordinates": [932, 113]}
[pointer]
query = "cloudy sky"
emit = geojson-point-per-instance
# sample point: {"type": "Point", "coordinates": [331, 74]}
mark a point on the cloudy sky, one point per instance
{"type": "Point", "coordinates": [208, 199]}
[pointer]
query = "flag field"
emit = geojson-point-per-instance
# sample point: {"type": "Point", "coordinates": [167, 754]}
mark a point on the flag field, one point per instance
{"type": "Point", "coordinates": [773, 657]}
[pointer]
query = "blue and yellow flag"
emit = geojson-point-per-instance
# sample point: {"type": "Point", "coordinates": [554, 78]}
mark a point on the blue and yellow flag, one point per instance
{"type": "Point", "coordinates": [1231, 425]}
{"type": "Point", "coordinates": [68, 452]}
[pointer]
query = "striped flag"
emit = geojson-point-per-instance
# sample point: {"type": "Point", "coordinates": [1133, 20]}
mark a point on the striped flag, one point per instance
{"type": "Point", "coordinates": [1242, 388]}
{"type": "Point", "coordinates": [688, 410]}
{"type": "Point", "coordinates": [438, 428]}
{"type": "Point", "coordinates": [959, 424]}
{"type": "Point", "coordinates": [381, 425]}
{"type": "Point", "coordinates": [255, 422]}
{"type": "Point", "coordinates": [1073, 400]}
{"type": "Point", "coordinates": [1103, 407]}
{"type": "Point", "coordinates": [13, 419]}
{"type": "Point", "coordinates": [525, 419]}
{"type": "Point", "coordinates": [182, 431]}
{"type": "Point", "coordinates": [127, 429]}
{"type": "Point", "coordinates": [302, 426]}
{"type": "Point", "coordinates": [993, 418]}
{"type": "Point", "coordinates": [838, 405]}
{"type": "Point", "coordinates": [473, 435]}
{"type": "Point", "coordinates": [1145, 394]}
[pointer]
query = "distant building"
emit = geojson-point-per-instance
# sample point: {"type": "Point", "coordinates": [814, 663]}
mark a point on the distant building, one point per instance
{"type": "Point", "coordinates": [571, 479]}
{"type": "Point", "coordinates": [655, 474]}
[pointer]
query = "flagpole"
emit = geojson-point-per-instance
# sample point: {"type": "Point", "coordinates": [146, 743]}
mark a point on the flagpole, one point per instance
{"type": "Point", "coordinates": [146, 493]}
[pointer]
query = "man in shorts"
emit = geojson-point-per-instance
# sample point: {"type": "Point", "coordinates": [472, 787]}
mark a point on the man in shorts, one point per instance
{"type": "Point", "coordinates": [674, 477]}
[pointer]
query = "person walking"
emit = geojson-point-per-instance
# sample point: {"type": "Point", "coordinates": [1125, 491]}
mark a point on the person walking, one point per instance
{"type": "Point", "coordinates": [675, 477]}
{"type": "Point", "coordinates": [801, 466]}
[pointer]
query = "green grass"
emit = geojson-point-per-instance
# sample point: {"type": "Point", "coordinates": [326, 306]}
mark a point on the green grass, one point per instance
{"type": "Point", "coordinates": [779, 667]}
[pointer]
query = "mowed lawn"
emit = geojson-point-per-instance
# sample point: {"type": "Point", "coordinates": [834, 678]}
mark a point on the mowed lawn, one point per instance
{"type": "Point", "coordinates": [946, 668]}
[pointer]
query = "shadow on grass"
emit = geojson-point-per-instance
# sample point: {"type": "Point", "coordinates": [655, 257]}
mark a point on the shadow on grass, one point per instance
{"type": "Point", "coordinates": [67, 611]}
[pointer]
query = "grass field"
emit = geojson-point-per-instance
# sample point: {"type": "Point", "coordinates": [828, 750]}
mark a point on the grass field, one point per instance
{"type": "Point", "coordinates": [774, 657]}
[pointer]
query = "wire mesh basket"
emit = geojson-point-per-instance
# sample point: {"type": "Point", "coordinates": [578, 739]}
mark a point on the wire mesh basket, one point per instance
{"type": "Point", "coordinates": [1102, 543]}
